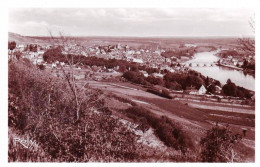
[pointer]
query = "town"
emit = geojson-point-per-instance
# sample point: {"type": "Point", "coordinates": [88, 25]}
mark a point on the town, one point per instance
{"type": "Point", "coordinates": [152, 79]}
{"type": "Point", "coordinates": [154, 64]}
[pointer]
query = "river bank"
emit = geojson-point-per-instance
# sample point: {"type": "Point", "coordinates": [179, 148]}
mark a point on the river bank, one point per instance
{"type": "Point", "coordinates": [223, 72]}
{"type": "Point", "coordinates": [229, 66]}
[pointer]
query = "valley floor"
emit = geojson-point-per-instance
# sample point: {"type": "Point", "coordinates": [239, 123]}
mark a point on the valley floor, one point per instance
{"type": "Point", "coordinates": [195, 117]}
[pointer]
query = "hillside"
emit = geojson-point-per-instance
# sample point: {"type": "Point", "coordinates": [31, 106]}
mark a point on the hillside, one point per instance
{"type": "Point", "coordinates": [19, 39]}
{"type": "Point", "coordinates": [47, 118]}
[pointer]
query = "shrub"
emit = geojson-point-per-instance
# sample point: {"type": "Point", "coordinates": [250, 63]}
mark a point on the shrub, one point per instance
{"type": "Point", "coordinates": [135, 77]}
{"type": "Point", "coordinates": [154, 80]}
{"type": "Point", "coordinates": [43, 108]}
{"type": "Point", "coordinates": [41, 67]}
{"type": "Point", "coordinates": [164, 93]}
{"type": "Point", "coordinates": [173, 85]}
{"type": "Point", "coordinates": [218, 145]}
{"type": "Point", "coordinates": [11, 45]}
{"type": "Point", "coordinates": [230, 89]}
{"type": "Point", "coordinates": [167, 131]}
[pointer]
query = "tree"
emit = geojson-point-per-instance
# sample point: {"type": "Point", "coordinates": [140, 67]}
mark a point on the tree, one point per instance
{"type": "Point", "coordinates": [217, 83]}
{"type": "Point", "coordinates": [52, 54]}
{"type": "Point", "coordinates": [41, 67]}
{"type": "Point", "coordinates": [172, 85]}
{"type": "Point", "coordinates": [33, 47]}
{"type": "Point", "coordinates": [193, 80]}
{"type": "Point", "coordinates": [229, 89]}
{"type": "Point", "coordinates": [218, 145]}
{"type": "Point", "coordinates": [212, 89]}
{"type": "Point", "coordinates": [17, 54]}
{"type": "Point", "coordinates": [229, 81]}
{"type": "Point", "coordinates": [245, 63]}
{"type": "Point", "coordinates": [11, 45]}
{"type": "Point", "coordinates": [130, 75]}
{"type": "Point", "coordinates": [154, 80]}
{"type": "Point", "coordinates": [134, 68]}
{"type": "Point", "coordinates": [122, 68]}
{"type": "Point", "coordinates": [78, 91]}
{"type": "Point", "coordinates": [207, 81]}
{"type": "Point", "coordinates": [248, 44]}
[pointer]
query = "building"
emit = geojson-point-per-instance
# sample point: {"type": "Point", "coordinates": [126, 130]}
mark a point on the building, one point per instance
{"type": "Point", "coordinates": [157, 75]}
{"type": "Point", "coordinates": [202, 90]}
{"type": "Point", "coordinates": [137, 60]}
{"type": "Point", "coordinates": [144, 73]}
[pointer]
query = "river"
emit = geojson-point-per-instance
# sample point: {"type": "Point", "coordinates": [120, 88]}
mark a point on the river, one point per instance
{"type": "Point", "coordinates": [220, 73]}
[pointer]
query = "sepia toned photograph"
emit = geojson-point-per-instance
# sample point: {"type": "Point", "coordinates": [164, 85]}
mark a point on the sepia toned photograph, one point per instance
{"type": "Point", "coordinates": [126, 85]}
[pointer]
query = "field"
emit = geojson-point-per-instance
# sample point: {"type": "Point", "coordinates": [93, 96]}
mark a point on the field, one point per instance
{"type": "Point", "coordinates": [195, 119]}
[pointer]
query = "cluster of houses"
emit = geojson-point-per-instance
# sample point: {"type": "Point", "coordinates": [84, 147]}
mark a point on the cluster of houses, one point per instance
{"type": "Point", "coordinates": [235, 59]}
{"type": "Point", "coordinates": [149, 57]}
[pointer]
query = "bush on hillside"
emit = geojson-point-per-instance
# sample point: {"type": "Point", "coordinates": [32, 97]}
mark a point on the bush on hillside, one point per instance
{"type": "Point", "coordinates": [231, 89]}
{"type": "Point", "coordinates": [167, 131]}
{"type": "Point", "coordinates": [218, 145]}
{"type": "Point", "coordinates": [163, 93]}
{"type": "Point", "coordinates": [43, 108]}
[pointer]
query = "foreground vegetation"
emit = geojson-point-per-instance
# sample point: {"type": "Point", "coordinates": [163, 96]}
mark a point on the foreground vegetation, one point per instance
{"type": "Point", "coordinates": [42, 109]}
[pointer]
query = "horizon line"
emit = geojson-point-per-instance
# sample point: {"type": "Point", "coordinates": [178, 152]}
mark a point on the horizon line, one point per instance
{"type": "Point", "coordinates": [162, 36]}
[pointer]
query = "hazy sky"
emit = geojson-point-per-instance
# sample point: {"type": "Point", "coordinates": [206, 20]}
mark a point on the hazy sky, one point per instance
{"type": "Point", "coordinates": [131, 22]}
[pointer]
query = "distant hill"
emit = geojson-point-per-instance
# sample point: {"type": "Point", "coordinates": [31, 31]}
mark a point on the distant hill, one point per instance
{"type": "Point", "coordinates": [20, 39]}
{"type": "Point", "coordinates": [16, 37]}
{"type": "Point", "coordinates": [136, 42]}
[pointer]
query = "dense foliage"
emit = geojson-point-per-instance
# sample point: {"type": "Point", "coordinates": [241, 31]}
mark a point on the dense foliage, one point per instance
{"type": "Point", "coordinates": [163, 93]}
{"type": "Point", "coordinates": [43, 109]}
{"type": "Point", "coordinates": [136, 77]}
{"type": "Point", "coordinates": [55, 54]}
{"type": "Point", "coordinates": [11, 45]}
{"type": "Point", "coordinates": [231, 89]}
{"type": "Point", "coordinates": [168, 131]}
{"type": "Point", "coordinates": [218, 145]}
{"type": "Point", "coordinates": [247, 65]}
{"type": "Point", "coordinates": [185, 79]}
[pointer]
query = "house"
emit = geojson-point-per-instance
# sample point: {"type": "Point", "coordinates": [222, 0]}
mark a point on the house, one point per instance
{"type": "Point", "coordinates": [53, 65]}
{"type": "Point", "coordinates": [40, 53]}
{"type": "Point", "coordinates": [137, 60]}
{"type": "Point", "coordinates": [144, 73]}
{"type": "Point", "coordinates": [157, 75]}
{"type": "Point", "coordinates": [202, 90]}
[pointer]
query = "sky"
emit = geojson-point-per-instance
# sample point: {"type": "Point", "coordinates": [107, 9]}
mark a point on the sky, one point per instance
{"type": "Point", "coordinates": [142, 22]}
